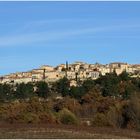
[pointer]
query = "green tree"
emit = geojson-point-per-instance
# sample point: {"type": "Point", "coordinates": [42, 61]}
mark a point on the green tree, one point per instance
{"type": "Point", "coordinates": [84, 88]}
{"type": "Point", "coordinates": [62, 86]}
{"type": "Point", "coordinates": [24, 91]}
{"type": "Point", "coordinates": [6, 93]}
{"type": "Point", "coordinates": [130, 88]}
{"type": "Point", "coordinates": [109, 84]}
{"type": "Point", "coordinates": [124, 76]}
{"type": "Point", "coordinates": [42, 89]}
{"type": "Point", "coordinates": [88, 85]}
{"type": "Point", "coordinates": [136, 82]}
{"type": "Point", "coordinates": [77, 92]}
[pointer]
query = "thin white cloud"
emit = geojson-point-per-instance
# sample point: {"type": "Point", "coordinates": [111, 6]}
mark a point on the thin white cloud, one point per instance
{"type": "Point", "coordinates": [38, 23]}
{"type": "Point", "coordinates": [57, 35]}
{"type": "Point", "coordinates": [34, 24]}
{"type": "Point", "coordinates": [42, 36]}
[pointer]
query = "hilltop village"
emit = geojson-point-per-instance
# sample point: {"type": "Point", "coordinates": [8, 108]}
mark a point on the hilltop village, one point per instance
{"type": "Point", "coordinates": [76, 71]}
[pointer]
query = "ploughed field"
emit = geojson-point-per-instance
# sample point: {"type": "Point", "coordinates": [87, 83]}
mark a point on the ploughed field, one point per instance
{"type": "Point", "coordinates": [41, 131]}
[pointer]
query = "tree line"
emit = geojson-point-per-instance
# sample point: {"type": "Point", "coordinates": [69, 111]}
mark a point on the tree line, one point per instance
{"type": "Point", "coordinates": [109, 85]}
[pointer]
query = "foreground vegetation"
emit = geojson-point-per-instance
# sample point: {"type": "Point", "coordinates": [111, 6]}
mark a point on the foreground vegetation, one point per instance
{"type": "Point", "coordinates": [110, 101]}
{"type": "Point", "coordinates": [41, 131]}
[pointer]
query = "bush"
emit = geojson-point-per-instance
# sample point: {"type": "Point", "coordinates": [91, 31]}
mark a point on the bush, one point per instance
{"type": "Point", "coordinates": [115, 117]}
{"type": "Point", "coordinates": [89, 98]}
{"type": "Point", "coordinates": [28, 118]}
{"type": "Point", "coordinates": [67, 117]}
{"type": "Point", "coordinates": [67, 102]}
{"type": "Point", "coordinates": [87, 110]}
{"type": "Point", "coordinates": [104, 103]}
{"type": "Point", "coordinates": [34, 105]}
{"type": "Point", "coordinates": [100, 119]}
{"type": "Point", "coordinates": [26, 112]}
{"type": "Point", "coordinates": [72, 105]}
{"type": "Point", "coordinates": [133, 110]}
{"type": "Point", "coordinates": [47, 117]}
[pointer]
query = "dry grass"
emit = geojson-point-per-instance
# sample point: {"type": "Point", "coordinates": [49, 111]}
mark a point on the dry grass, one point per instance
{"type": "Point", "coordinates": [42, 131]}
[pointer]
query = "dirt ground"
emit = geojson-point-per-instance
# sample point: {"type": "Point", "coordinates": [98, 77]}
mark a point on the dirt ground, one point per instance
{"type": "Point", "coordinates": [42, 131]}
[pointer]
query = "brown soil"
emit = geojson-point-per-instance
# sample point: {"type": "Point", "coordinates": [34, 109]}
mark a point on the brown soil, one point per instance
{"type": "Point", "coordinates": [31, 131]}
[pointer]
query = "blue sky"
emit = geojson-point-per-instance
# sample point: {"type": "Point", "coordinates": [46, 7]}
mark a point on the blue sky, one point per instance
{"type": "Point", "coordinates": [37, 33]}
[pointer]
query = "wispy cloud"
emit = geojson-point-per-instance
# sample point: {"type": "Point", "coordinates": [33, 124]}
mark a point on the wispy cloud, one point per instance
{"type": "Point", "coordinates": [40, 23]}
{"type": "Point", "coordinates": [43, 36]}
{"type": "Point", "coordinates": [27, 38]}
{"type": "Point", "coordinates": [34, 24]}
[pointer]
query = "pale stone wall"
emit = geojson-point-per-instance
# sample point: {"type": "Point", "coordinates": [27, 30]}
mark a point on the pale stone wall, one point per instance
{"type": "Point", "coordinates": [5, 80]}
{"type": "Point", "coordinates": [27, 74]}
{"type": "Point", "coordinates": [37, 76]}
{"type": "Point", "coordinates": [104, 70]}
{"type": "Point", "coordinates": [70, 75]}
{"type": "Point", "coordinates": [51, 76]}
{"type": "Point", "coordinates": [118, 71]}
{"type": "Point", "coordinates": [94, 74]}
{"type": "Point", "coordinates": [73, 83]}
{"type": "Point", "coordinates": [23, 80]}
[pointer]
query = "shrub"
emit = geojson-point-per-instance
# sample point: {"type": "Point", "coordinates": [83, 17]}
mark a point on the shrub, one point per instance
{"type": "Point", "coordinates": [100, 119]}
{"type": "Point", "coordinates": [87, 110]}
{"type": "Point", "coordinates": [92, 95]}
{"type": "Point", "coordinates": [34, 105]}
{"type": "Point", "coordinates": [29, 118]}
{"type": "Point", "coordinates": [102, 104]}
{"type": "Point", "coordinates": [115, 117]}
{"type": "Point", "coordinates": [10, 111]}
{"type": "Point", "coordinates": [67, 102]}
{"type": "Point", "coordinates": [67, 117]}
{"type": "Point", "coordinates": [47, 117]}
{"type": "Point", "coordinates": [133, 110]}
{"type": "Point", "coordinates": [26, 112]}
{"type": "Point", "coordinates": [72, 105]}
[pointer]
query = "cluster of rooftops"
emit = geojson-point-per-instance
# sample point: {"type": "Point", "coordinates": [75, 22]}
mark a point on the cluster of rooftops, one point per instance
{"type": "Point", "coordinates": [73, 71]}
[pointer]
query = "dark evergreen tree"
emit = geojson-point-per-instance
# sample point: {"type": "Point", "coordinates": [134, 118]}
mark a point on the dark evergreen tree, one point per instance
{"type": "Point", "coordinates": [6, 93]}
{"type": "Point", "coordinates": [77, 92]}
{"type": "Point", "coordinates": [24, 91]}
{"type": "Point", "coordinates": [109, 84]}
{"type": "Point", "coordinates": [124, 76]}
{"type": "Point", "coordinates": [42, 89]}
{"type": "Point", "coordinates": [63, 86]}
{"type": "Point", "coordinates": [88, 85]}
